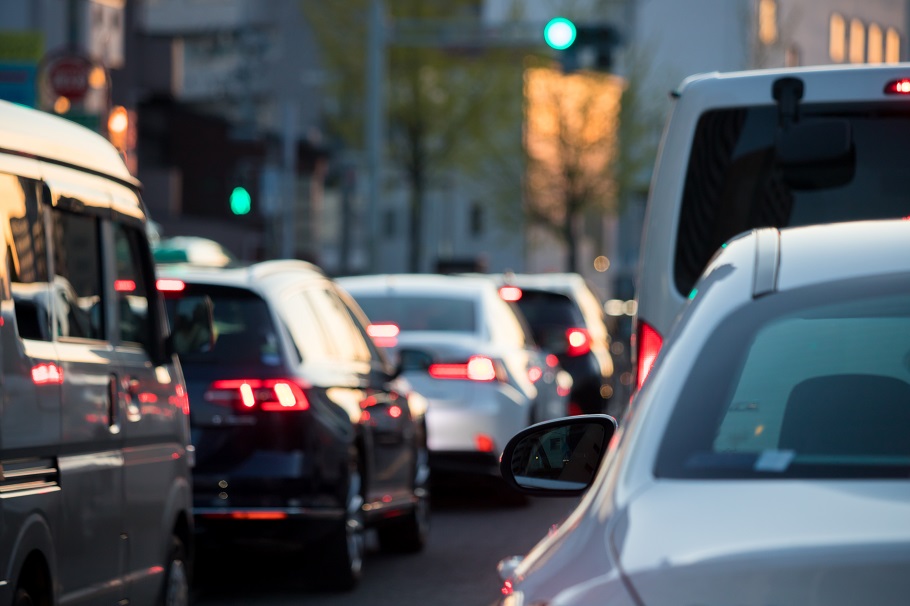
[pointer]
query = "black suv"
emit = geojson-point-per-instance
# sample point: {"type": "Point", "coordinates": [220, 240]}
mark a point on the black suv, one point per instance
{"type": "Point", "coordinates": [303, 432]}
{"type": "Point", "coordinates": [568, 319]}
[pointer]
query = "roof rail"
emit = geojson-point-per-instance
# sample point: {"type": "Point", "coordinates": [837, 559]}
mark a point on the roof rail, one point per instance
{"type": "Point", "coordinates": [265, 268]}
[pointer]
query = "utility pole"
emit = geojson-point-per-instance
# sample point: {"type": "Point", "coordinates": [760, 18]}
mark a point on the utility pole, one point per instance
{"type": "Point", "coordinates": [375, 125]}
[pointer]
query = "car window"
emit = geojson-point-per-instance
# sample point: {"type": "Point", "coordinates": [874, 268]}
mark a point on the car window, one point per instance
{"type": "Point", "coordinates": [309, 336]}
{"type": "Point", "coordinates": [733, 183]}
{"type": "Point", "coordinates": [77, 279]}
{"type": "Point", "coordinates": [131, 285]}
{"type": "Point", "coordinates": [505, 325]}
{"type": "Point", "coordinates": [823, 390]}
{"type": "Point", "coordinates": [26, 258]}
{"type": "Point", "coordinates": [416, 312]}
{"type": "Point", "coordinates": [346, 341]}
{"type": "Point", "coordinates": [245, 333]}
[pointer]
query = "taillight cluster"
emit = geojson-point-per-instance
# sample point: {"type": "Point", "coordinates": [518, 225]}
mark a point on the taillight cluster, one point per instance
{"type": "Point", "coordinates": [477, 368]}
{"type": "Point", "coordinates": [649, 343]}
{"type": "Point", "coordinates": [258, 394]}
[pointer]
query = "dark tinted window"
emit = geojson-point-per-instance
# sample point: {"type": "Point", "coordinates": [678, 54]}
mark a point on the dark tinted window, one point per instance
{"type": "Point", "coordinates": [245, 333]}
{"type": "Point", "coordinates": [77, 283]}
{"type": "Point", "coordinates": [422, 313]}
{"type": "Point", "coordinates": [131, 285]}
{"type": "Point", "coordinates": [809, 384]}
{"type": "Point", "coordinates": [733, 182]}
{"type": "Point", "coordinates": [549, 309]}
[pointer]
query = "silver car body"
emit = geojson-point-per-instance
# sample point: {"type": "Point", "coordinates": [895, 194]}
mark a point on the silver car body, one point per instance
{"type": "Point", "coordinates": [461, 410]}
{"type": "Point", "coordinates": [639, 539]}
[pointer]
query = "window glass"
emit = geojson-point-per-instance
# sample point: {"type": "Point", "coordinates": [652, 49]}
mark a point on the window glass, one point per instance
{"type": "Point", "coordinates": [245, 333]}
{"type": "Point", "coordinates": [26, 255]}
{"type": "Point", "coordinates": [734, 183]}
{"type": "Point", "coordinates": [346, 340]}
{"type": "Point", "coordinates": [421, 313]}
{"type": "Point", "coordinates": [77, 279]}
{"type": "Point", "coordinates": [131, 286]}
{"type": "Point", "coordinates": [305, 329]}
{"type": "Point", "coordinates": [822, 390]}
{"type": "Point", "coordinates": [504, 324]}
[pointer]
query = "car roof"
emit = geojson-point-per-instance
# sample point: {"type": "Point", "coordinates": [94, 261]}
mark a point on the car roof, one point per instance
{"type": "Point", "coordinates": [824, 83]}
{"type": "Point", "coordinates": [449, 285]}
{"type": "Point", "coordinates": [252, 276]}
{"type": "Point", "coordinates": [44, 136]}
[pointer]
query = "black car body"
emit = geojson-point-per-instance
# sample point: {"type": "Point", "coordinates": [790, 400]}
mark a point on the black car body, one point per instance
{"type": "Point", "coordinates": [568, 319]}
{"type": "Point", "coordinates": [303, 433]}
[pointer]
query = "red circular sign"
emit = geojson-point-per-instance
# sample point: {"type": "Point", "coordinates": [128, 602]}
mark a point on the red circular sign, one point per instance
{"type": "Point", "coordinates": [68, 77]}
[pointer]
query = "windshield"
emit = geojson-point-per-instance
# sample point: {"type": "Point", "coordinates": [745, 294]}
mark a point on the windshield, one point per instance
{"type": "Point", "coordinates": [421, 313]}
{"type": "Point", "coordinates": [733, 182]}
{"type": "Point", "coordinates": [817, 390]}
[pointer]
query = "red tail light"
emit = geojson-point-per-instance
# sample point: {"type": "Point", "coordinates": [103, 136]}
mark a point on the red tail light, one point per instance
{"type": "Point", "coordinates": [167, 285]}
{"type": "Point", "coordinates": [477, 368]}
{"type": "Point", "coordinates": [510, 293]}
{"type": "Point", "coordinates": [267, 394]}
{"type": "Point", "coordinates": [47, 374]}
{"type": "Point", "coordinates": [649, 343]}
{"type": "Point", "coordinates": [579, 342]}
{"type": "Point", "coordinates": [384, 335]}
{"type": "Point", "coordinates": [898, 87]}
{"type": "Point", "coordinates": [534, 374]}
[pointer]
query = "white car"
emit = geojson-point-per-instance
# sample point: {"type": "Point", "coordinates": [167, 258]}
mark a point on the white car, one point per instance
{"type": "Point", "coordinates": [465, 349]}
{"type": "Point", "coordinates": [765, 148]}
{"type": "Point", "coordinates": [766, 459]}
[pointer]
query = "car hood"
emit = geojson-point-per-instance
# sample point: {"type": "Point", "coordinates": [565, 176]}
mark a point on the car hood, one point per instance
{"type": "Point", "coordinates": [828, 543]}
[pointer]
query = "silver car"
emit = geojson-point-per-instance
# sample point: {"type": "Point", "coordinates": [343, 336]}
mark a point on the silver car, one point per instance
{"type": "Point", "coordinates": [465, 349]}
{"type": "Point", "coordinates": [766, 458]}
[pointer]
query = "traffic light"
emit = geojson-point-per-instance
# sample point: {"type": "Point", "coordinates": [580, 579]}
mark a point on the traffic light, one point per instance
{"type": "Point", "coordinates": [588, 46]}
{"type": "Point", "coordinates": [118, 124]}
{"type": "Point", "coordinates": [241, 201]}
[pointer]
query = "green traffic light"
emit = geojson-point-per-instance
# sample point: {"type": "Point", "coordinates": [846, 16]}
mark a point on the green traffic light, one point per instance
{"type": "Point", "coordinates": [559, 33]}
{"type": "Point", "coordinates": [241, 202]}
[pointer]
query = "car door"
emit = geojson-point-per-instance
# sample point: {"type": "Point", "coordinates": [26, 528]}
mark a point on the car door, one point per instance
{"type": "Point", "coordinates": [155, 423]}
{"type": "Point", "coordinates": [92, 543]}
{"type": "Point", "coordinates": [386, 416]}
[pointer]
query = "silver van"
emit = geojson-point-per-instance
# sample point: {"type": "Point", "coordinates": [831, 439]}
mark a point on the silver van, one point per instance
{"type": "Point", "coordinates": [766, 148]}
{"type": "Point", "coordinates": [95, 495]}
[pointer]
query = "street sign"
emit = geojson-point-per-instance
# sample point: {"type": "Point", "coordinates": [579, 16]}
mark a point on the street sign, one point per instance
{"type": "Point", "coordinates": [68, 76]}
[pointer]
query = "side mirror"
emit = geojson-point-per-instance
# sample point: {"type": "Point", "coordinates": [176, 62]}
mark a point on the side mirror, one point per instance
{"type": "Point", "coordinates": [193, 326]}
{"type": "Point", "coordinates": [558, 457]}
{"type": "Point", "coordinates": [817, 155]}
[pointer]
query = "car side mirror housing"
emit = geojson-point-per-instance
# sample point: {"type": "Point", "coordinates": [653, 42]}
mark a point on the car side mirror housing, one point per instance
{"type": "Point", "coordinates": [558, 457]}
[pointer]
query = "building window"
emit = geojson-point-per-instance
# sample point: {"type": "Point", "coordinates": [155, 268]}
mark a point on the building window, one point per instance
{"type": "Point", "coordinates": [792, 57]}
{"type": "Point", "coordinates": [857, 41]}
{"type": "Point", "coordinates": [892, 46]}
{"type": "Point", "coordinates": [836, 37]}
{"type": "Point", "coordinates": [875, 54]}
{"type": "Point", "coordinates": [476, 219]}
{"type": "Point", "coordinates": [767, 21]}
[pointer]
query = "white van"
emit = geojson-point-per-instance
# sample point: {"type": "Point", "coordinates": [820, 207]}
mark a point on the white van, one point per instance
{"type": "Point", "coordinates": [95, 499]}
{"type": "Point", "coordinates": [766, 148]}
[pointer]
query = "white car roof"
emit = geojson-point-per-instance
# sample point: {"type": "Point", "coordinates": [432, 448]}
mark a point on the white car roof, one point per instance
{"type": "Point", "coordinates": [455, 286]}
{"type": "Point", "coordinates": [45, 136]}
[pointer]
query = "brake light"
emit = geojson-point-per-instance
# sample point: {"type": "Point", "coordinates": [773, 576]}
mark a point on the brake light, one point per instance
{"type": "Point", "coordinates": [47, 374]}
{"type": "Point", "coordinates": [124, 285]}
{"type": "Point", "coordinates": [898, 87]}
{"type": "Point", "coordinates": [649, 344]}
{"type": "Point", "coordinates": [384, 335]}
{"type": "Point", "coordinates": [579, 342]}
{"type": "Point", "coordinates": [534, 374]}
{"type": "Point", "coordinates": [168, 285]}
{"type": "Point", "coordinates": [510, 293]}
{"type": "Point", "coordinates": [484, 443]}
{"type": "Point", "coordinates": [477, 368]}
{"type": "Point", "coordinates": [270, 395]}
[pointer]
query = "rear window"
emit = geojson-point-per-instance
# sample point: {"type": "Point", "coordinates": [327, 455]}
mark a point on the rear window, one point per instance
{"type": "Point", "coordinates": [245, 333]}
{"type": "Point", "coordinates": [421, 313]}
{"type": "Point", "coordinates": [733, 182]}
{"type": "Point", "coordinates": [808, 384]}
{"type": "Point", "coordinates": [549, 309]}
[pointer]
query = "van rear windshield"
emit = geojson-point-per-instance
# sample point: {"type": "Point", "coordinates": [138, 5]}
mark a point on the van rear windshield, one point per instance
{"type": "Point", "coordinates": [734, 183]}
